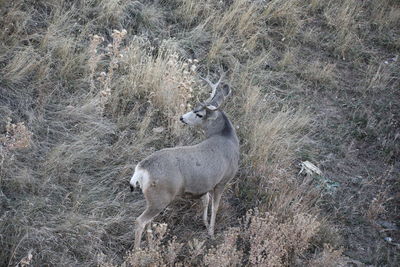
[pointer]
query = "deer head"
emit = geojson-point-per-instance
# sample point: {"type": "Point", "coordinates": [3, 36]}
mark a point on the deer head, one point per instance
{"type": "Point", "coordinates": [207, 110]}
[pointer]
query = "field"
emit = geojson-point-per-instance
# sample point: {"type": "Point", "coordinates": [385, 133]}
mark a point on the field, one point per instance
{"type": "Point", "coordinates": [88, 88]}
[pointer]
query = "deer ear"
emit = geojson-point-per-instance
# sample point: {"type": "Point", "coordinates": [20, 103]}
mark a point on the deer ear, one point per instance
{"type": "Point", "coordinates": [212, 116]}
{"type": "Point", "coordinates": [219, 98]}
{"type": "Point", "coordinates": [226, 90]}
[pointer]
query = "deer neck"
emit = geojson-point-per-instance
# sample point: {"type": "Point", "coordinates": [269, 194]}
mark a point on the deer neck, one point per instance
{"type": "Point", "coordinates": [221, 126]}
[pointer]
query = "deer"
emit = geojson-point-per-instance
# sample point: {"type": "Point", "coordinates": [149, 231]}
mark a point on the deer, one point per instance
{"type": "Point", "coordinates": [198, 171]}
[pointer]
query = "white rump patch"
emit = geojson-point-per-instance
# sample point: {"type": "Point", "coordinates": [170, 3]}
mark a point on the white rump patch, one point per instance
{"type": "Point", "coordinates": [140, 178]}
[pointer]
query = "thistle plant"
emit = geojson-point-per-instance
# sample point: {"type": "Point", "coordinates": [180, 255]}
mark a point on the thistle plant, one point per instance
{"type": "Point", "coordinates": [113, 52]}
{"type": "Point", "coordinates": [17, 136]}
{"type": "Point", "coordinates": [94, 58]}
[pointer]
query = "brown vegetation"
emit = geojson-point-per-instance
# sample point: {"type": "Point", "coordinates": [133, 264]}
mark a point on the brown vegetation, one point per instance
{"type": "Point", "coordinates": [89, 88]}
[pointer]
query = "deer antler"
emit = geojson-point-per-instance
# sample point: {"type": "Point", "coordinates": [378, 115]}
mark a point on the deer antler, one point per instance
{"type": "Point", "coordinates": [213, 85]}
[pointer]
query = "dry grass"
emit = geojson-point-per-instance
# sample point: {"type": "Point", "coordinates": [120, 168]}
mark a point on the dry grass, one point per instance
{"type": "Point", "coordinates": [164, 79]}
{"type": "Point", "coordinates": [274, 139]}
{"type": "Point", "coordinates": [82, 100]}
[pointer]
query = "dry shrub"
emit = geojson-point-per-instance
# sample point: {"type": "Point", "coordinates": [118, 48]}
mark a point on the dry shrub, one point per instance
{"type": "Point", "coordinates": [329, 257]}
{"type": "Point", "coordinates": [94, 58]}
{"type": "Point", "coordinates": [114, 54]}
{"type": "Point", "coordinates": [277, 243]}
{"type": "Point", "coordinates": [226, 253]}
{"type": "Point", "coordinates": [26, 261]}
{"type": "Point", "coordinates": [17, 136]}
{"type": "Point", "coordinates": [105, 77]}
{"type": "Point", "coordinates": [159, 252]}
{"type": "Point", "coordinates": [267, 240]}
{"type": "Point", "coordinates": [155, 254]}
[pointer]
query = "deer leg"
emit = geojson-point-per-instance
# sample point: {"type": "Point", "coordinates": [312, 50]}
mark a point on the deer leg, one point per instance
{"type": "Point", "coordinates": [155, 204]}
{"type": "Point", "coordinates": [214, 208]}
{"type": "Point", "coordinates": [206, 200]}
{"type": "Point", "coordinates": [142, 221]}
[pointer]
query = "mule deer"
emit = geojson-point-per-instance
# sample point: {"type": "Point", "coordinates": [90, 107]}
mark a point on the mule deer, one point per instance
{"type": "Point", "coordinates": [196, 171]}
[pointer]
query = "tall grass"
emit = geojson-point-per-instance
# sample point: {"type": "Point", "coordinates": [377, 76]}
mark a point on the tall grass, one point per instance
{"type": "Point", "coordinates": [89, 88]}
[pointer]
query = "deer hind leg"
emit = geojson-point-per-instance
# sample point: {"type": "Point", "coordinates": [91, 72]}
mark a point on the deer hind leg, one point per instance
{"type": "Point", "coordinates": [214, 207]}
{"type": "Point", "coordinates": [156, 202]}
{"type": "Point", "coordinates": [142, 221]}
{"type": "Point", "coordinates": [205, 199]}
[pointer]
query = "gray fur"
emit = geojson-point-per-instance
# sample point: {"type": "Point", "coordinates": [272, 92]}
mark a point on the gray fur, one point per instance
{"type": "Point", "coordinates": [197, 169]}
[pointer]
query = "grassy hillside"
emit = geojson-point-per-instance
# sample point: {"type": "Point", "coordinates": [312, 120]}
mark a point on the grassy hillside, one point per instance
{"type": "Point", "coordinates": [90, 88]}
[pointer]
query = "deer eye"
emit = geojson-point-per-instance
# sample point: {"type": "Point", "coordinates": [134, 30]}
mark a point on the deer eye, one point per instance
{"type": "Point", "coordinates": [199, 115]}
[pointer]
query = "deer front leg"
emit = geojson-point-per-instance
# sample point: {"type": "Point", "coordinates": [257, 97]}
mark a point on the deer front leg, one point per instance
{"type": "Point", "coordinates": [214, 208]}
{"type": "Point", "coordinates": [205, 199]}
